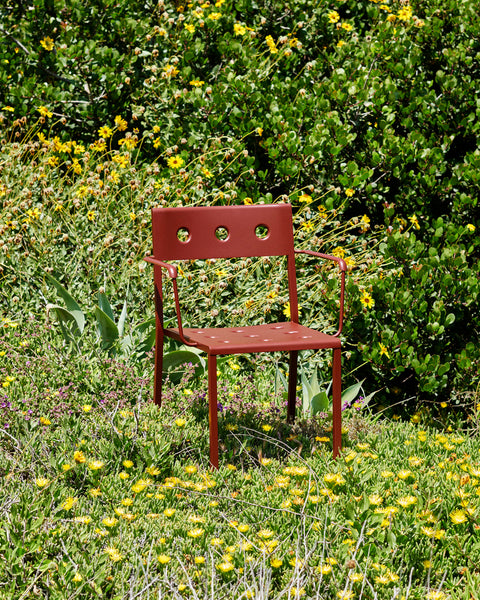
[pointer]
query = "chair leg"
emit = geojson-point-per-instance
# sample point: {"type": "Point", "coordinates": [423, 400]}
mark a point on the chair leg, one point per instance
{"type": "Point", "coordinates": [157, 385]}
{"type": "Point", "coordinates": [292, 386]}
{"type": "Point", "coordinates": [337, 402]}
{"type": "Point", "coordinates": [212, 410]}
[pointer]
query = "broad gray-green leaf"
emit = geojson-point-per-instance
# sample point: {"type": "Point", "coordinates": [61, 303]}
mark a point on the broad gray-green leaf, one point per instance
{"type": "Point", "coordinates": [72, 306]}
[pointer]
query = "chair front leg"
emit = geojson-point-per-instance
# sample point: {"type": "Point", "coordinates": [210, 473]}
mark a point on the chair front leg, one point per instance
{"type": "Point", "coordinates": [292, 386]}
{"type": "Point", "coordinates": [157, 381]}
{"type": "Point", "coordinates": [213, 410]}
{"type": "Point", "coordinates": [337, 401]}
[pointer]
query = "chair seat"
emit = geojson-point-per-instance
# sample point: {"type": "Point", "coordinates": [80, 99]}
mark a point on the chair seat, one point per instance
{"type": "Point", "coordinates": [257, 338]}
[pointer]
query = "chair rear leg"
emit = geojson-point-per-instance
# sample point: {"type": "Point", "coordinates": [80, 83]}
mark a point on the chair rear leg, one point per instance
{"type": "Point", "coordinates": [337, 401]}
{"type": "Point", "coordinates": [292, 386]}
{"type": "Point", "coordinates": [157, 382]}
{"type": "Point", "coordinates": [212, 410]}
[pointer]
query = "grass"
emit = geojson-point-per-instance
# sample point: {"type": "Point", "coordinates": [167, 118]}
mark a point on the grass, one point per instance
{"type": "Point", "coordinates": [106, 495]}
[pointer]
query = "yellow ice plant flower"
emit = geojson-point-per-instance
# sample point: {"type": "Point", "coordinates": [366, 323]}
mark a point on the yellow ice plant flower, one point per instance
{"type": "Point", "coordinates": [225, 566]}
{"type": "Point", "coordinates": [95, 492]}
{"type": "Point", "coordinates": [164, 559]}
{"type": "Point", "coordinates": [271, 44]}
{"type": "Point", "coordinates": [105, 132]}
{"type": "Point", "coordinates": [42, 482]}
{"type": "Point", "coordinates": [66, 467]}
{"type": "Point", "coordinates": [197, 82]}
{"type": "Point", "coordinates": [153, 470]}
{"type": "Point", "coordinates": [458, 516]}
{"type": "Point", "coordinates": [84, 519]}
{"type": "Point", "coordinates": [405, 474]}
{"type": "Point", "coordinates": [128, 464]}
{"type": "Point", "coordinates": [333, 16]}
{"type": "Point", "coordinates": [190, 27]}
{"type": "Point", "coordinates": [44, 112]}
{"type": "Point", "coordinates": [109, 521]}
{"type": "Point", "coordinates": [114, 554]}
{"type": "Point", "coordinates": [214, 16]}
{"type": "Point", "coordinates": [407, 501]}
{"type": "Point", "coordinates": [175, 162]}
{"type": "Point", "coordinates": [195, 533]}
{"type": "Point", "coordinates": [471, 228]}
{"type": "Point", "coordinates": [95, 465]}
{"type": "Point", "coordinates": [375, 499]}
{"type": "Point", "coordinates": [45, 421]}
{"type": "Point", "coordinates": [180, 422]}
{"type": "Point", "coordinates": [69, 503]}
{"type": "Point", "coordinates": [345, 594]}
{"type": "Point", "coordinates": [77, 578]}
{"type": "Point", "coordinates": [87, 408]}
{"type": "Point", "coordinates": [79, 457]}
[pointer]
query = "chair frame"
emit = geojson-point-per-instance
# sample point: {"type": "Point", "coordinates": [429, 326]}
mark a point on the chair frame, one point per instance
{"type": "Point", "coordinates": [241, 222]}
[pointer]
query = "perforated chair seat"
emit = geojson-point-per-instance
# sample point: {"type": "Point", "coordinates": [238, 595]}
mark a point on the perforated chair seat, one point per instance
{"type": "Point", "coordinates": [274, 337]}
{"type": "Point", "coordinates": [204, 232]}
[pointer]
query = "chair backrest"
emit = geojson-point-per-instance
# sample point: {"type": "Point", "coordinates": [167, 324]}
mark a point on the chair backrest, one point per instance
{"type": "Point", "coordinates": [201, 232]}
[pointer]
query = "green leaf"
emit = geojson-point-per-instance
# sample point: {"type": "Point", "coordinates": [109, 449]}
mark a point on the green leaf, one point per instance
{"type": "Point", "coordinates": [172, 361]}
{"type": "Point", "coordinates": [68, 323]}
{"type": "Point", "coordinates": [70, 303]}
{"type": "Point", "coordinates": [122, 319]}
{"type": "Point", "coordinates": [105, 305]}
{"type": "Point", "coordinates": [351, 393]}
{"type": "Point", "coordinates": [319, 403]}
{"type": "Point", "coordinates": [107, 329]}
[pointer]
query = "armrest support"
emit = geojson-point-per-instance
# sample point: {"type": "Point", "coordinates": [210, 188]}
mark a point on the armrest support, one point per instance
{"type": "Point", "coordinates": [343, 267]}
{"type": "Point", "coordinates": [172, 272]}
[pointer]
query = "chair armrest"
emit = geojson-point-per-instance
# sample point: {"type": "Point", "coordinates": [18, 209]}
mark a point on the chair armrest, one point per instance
{"type": "Point", "coordinates": [171, 269]}
{"type": "Point", "coordinates": [341, 263]}
{"type": "Point", "coordinates": [172, 272]}
{"type": "Point", "coordinates": [343, 267]}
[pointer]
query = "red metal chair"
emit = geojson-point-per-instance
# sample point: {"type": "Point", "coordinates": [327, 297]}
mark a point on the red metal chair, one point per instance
{"type": "Point", "coordinates": [200, 227]}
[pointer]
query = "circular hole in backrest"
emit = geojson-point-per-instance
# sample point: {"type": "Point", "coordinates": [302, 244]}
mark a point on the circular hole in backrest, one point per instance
{"type": "Point", "coordinates": [261, 231]}
{"type": "Point", "coordinates": [183, 234]}
{"type": "Point", "coordinates": [221, 233]}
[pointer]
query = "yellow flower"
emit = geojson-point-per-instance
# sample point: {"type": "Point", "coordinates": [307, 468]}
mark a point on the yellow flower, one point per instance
{"type": "Point", "coordinates": [87, 408]}
{"type": "Point", "coordinates": [105, 132]}
{"type": "Point", "coordinates": [91, 215]}
{"type": "Point", "coordinates": [95, 465]}
{"type": "Point", "coordinates": [45, 421]}
{"type": "Point", "coordinates": [175, 162]}
{"type": "Point", "coordinates": [414, 221]}
{"type": "Point", "coordinates": [197, 82]}
{"type": "Point", "coordinates": [42, 482]}
{"type": "Point", "coordinates": [43, 110]}
{"type": "Point", "coordinates": [95, 492]}
{"type": "Point", "coordinates": [471, 228]}
{"type": "Point", "coordinates": [68, 503]}
{"type": "Point", "coordinates": [120, 123]}
{"type": "Point", "coordinates": [225, 566]}
{"type": "Point", "coordinates": [8, 108]}
{"type": "Point", "coordinates": [180, 422]}
{"type": "Point", "coordinates": [271, 44]}
{"type": "Point", "coordinates": [458, 516]}
{"type": "Point", "coordinates": [47, 43]}
{"type": "Point", "coordinates": [114, 554]}
{"type": "Point", "coordinates": [367, 300]}
{"type": "Point", "coordinates": [239, 29]}
{"type": "Point", "coordinates": [128, 464]}
{"type": "Point", "coordinates": [163, 559]}
{"type": "Point", "coordinates": [79, 456]}
{"type": "Point", "coordinates": [109, 521]}
{"type": "Point", "coordinates": [195, 533]}
{"type": "Point", "coordinates": [199, 560]}
{"type": "Point", "coordinates": [169, 512]}
{"type": "Point", "coordinates": [77, 578]}
{"type": "Point", "coordinates": [214, 16]}
{"type": "Point", "coordinates": [347, 26]}
{"type": "Point", "coordinates": [333, 16]}
{"type": "Point", "coordinates": [407, 501]}
{"type": "Point", "coordinates": [436, 595]}
{"type": "Point", "coordinates": [383, 350]}
{"type": "Point", "coordinates": [305, 198]}
{"type": "Point", "coordinates": [191, 469]}
{"type": "Point", "coordinates": [276, 563]}
{"type": "Point", "coordinates": [153, 471]}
